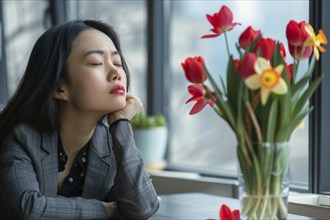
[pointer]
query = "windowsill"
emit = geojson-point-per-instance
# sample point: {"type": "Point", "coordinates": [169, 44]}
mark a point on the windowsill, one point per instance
{"type": "Point", "coordinates": [309, 199]}
{"type": "Point", "coordinates": [311, 205]}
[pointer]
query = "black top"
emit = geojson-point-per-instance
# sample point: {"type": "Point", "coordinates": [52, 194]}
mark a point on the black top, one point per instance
{"type": "Point", "coordinates": [73, 183]}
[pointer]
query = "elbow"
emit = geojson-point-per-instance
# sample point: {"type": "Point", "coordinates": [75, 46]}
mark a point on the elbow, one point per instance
{"type": "Point", "coordinates": [16, 208]}
{"type": "Point", "coordinates": [31, 207]}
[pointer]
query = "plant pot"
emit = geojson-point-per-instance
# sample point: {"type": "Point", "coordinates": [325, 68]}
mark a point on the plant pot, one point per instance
{"type": "Point", "coordinates": [152, 144]}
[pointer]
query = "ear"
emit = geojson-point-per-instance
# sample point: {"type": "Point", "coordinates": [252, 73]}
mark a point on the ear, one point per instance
{"type": "Point", "coordinates": [61, 92]}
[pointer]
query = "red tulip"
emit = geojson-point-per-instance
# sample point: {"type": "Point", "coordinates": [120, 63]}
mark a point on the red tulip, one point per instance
{"type": "Point", "coordinates": [227, 214]}
{"type": "Point", "coordinates": [199, 95]}
{"type": "Point", "coordinates": [246, 67]}
{"type": "Point", "coordinates": [194, 70]}
{"type": "Point", "coordinates": [248, 36]}
{"type": "Point", "coordinates": [236, 214]}
{"type": "Point", "coordinates": [282, 50]}
{"type": "Point", "coordinates": [236, 65]}
{"type": "Point", "coordinates": [300, 55]}
{"type": "Point", "coordinates": [296, 33]}
{"type": "Point", "coordinates": [289, 71]}
{"type": "Point", "coordinates": [221, 21]}
{"type": "Point", "coordinates": [266, 46]}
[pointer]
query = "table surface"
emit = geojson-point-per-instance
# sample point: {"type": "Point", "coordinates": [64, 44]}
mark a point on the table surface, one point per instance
{"type": "Point", "coordinates": [195, 206]}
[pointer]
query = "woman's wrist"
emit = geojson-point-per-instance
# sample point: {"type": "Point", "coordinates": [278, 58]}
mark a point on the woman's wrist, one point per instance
{"type": "Point", "coordinates": [115, 117]}
{"type": "Point", "coordinates": [117, 121]}
{"type": "Point", "coordinates": [111, 208]}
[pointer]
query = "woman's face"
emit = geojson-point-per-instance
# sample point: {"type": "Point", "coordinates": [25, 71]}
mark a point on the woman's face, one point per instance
{"type": "Point", "coordinates": [97, 80]}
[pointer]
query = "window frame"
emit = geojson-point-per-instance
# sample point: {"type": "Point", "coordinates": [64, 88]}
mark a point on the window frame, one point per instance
{"type": "Point", "coordinates": [318, 120]}
{"type": "Point", "coordinates": [159, 18]}
{"type": "Point", "coordinates": [3, 67]}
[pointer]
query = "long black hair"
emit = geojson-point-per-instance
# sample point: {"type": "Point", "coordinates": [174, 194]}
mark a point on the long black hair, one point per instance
{"type": "Point", "coordinates": [33, 102]}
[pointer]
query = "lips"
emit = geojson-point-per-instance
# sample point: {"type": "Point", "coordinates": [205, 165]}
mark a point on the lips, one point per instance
{"type": "Point", "coordinates": [118, 90]}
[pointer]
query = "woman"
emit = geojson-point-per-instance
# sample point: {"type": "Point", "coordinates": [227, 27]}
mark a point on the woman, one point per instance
{"type": "Point", "coordinates": [59, 159]}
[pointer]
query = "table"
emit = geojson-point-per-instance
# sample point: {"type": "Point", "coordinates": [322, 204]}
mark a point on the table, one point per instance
{"type": "Point", "coordinates": [195, 206]}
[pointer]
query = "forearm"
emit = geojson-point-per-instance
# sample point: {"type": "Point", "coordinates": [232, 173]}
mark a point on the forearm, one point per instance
{"type": "Point", "coordinates": [36, 206]}
{"type": "Point", "coordinates": [136, 196]}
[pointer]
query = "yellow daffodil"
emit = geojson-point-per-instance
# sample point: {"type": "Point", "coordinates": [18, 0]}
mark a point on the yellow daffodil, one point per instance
{"type": "Point", "coordinates": [267, 78]}
{"type": "Point", "coordinates": [316, 41]}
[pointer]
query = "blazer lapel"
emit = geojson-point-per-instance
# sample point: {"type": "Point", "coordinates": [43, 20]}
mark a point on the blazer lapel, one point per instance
{"type": "Point", "coordinates": [49, 164]}
{"type": "Point", "coordinates": [98, 164]}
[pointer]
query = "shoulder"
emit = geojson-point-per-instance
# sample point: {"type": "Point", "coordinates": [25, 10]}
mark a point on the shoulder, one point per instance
{"type": "Point", "coordinates": [20, 142]}
{"type": "Point", "coordinates": [31, 139]}
{"type": "Point", "coordinates": [24, 132]}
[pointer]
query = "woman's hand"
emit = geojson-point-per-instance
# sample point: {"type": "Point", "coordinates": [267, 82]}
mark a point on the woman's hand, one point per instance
{"type": "Point", "coordinates": [133, 106]}
{"type": "Point", "coordinates": [112, 211]}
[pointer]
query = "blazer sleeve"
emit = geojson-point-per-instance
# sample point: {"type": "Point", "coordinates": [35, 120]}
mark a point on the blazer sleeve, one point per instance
{"type": "Point", "coordinates": [20, 197]}
{"type": "Point", "coordinates": [136, 196]}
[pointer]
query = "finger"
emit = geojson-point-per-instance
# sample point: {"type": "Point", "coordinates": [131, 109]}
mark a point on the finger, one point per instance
{"type": "Point", "coordinates": [134, 100]}
{"type": "Point", "coordinates": [132, 97]}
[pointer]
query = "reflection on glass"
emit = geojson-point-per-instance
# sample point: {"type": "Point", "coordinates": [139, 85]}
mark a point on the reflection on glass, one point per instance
{"type": "Point", "coordinates": [23, 24]}
{"type": "Point", "coordinates": [204, 141]}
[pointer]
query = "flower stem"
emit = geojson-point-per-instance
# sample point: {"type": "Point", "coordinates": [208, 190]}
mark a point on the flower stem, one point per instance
{"type": "Point", "coordinates": [254, 121]}
{"type": "Point", "coordinates": [227, 45]}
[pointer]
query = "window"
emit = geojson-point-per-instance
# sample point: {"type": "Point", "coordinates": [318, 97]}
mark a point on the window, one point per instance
{"type": "Point", "coordinates": [22, 24]}
{"type": "Point", "coordinates": [204, 142]}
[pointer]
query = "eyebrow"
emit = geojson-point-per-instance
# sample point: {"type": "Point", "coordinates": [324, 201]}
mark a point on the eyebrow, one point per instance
{"type": "Point", "coordinates": [101, 52]}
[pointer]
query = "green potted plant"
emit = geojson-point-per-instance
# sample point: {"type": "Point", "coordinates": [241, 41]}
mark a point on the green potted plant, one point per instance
{"type": "Point", "coordinates": [150, 132]}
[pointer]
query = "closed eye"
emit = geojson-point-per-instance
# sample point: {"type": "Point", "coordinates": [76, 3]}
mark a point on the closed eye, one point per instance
{"type": "Point", "coordinates": [96, 64]}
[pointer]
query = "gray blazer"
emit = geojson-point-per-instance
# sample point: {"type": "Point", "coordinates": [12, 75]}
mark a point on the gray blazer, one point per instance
{"type": "Point", "coordinates": [29, 177]}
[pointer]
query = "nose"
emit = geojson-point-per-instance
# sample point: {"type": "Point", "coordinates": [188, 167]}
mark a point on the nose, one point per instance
{"type": "Point", "coordinates": [114, 74]}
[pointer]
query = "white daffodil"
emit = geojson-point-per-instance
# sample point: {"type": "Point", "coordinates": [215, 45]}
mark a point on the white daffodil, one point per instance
{"type": "Point", "coordinates": [267, 78]}
{"type": "Point", "coordinates": [316, 40]}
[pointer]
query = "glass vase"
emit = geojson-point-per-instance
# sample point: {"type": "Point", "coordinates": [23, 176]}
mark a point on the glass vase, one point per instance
{"type": "Point", "coordinates": [263, 180]}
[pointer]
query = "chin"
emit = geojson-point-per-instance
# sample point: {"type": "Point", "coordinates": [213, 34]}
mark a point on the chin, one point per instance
{"type": "Point", "coordinates": [119, 105]}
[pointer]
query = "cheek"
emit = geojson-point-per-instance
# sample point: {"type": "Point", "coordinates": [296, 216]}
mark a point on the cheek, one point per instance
{"type": "Point", "coordinates": [124, 79]}
{"type": "Point", "coordinates": [86, 98]}
{"type": "Point", "coordinates": [88, 92]}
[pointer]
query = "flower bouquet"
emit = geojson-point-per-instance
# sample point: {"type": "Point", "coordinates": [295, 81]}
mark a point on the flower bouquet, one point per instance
{"type": "Point", "coordinates": [263, 101]}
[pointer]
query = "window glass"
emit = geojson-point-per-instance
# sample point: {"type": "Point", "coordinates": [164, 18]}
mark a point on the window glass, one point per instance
{"type": "Point", "coordinates": [204, 141]}
{"type": "Point", "coordinates": [128, 18]}
{"type": "Point", "coordinates": [23, 24]}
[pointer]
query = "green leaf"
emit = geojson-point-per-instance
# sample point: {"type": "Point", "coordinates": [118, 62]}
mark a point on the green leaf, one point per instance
{"type": "Point", "coordinates": [310, 69]}
{"type": "Point", "coordinates": [224, 106]}
{"type": "Point", "coordinates": [277, 57]}
{"type": "Point", "coordinates": [307, 94]}
{"type": "Point", "coordinates": [239, 51]}
{"type": "Point", "coordinates": [142, 120]}
{"type": "Point", "coordinates": [284, 115]}
{"type": "Point", "coordinates": [285, 132]}
{"type": "Point", "coordinates": [300, 84]}
{"type": "Point", "coordinates": [271, 127]}
{"type": "Point", "coordinates": [251, 47]}
{"type": "Point", "coordinates": [240, 100]}
{"type": "Point", "coordinates": [233, 81]}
